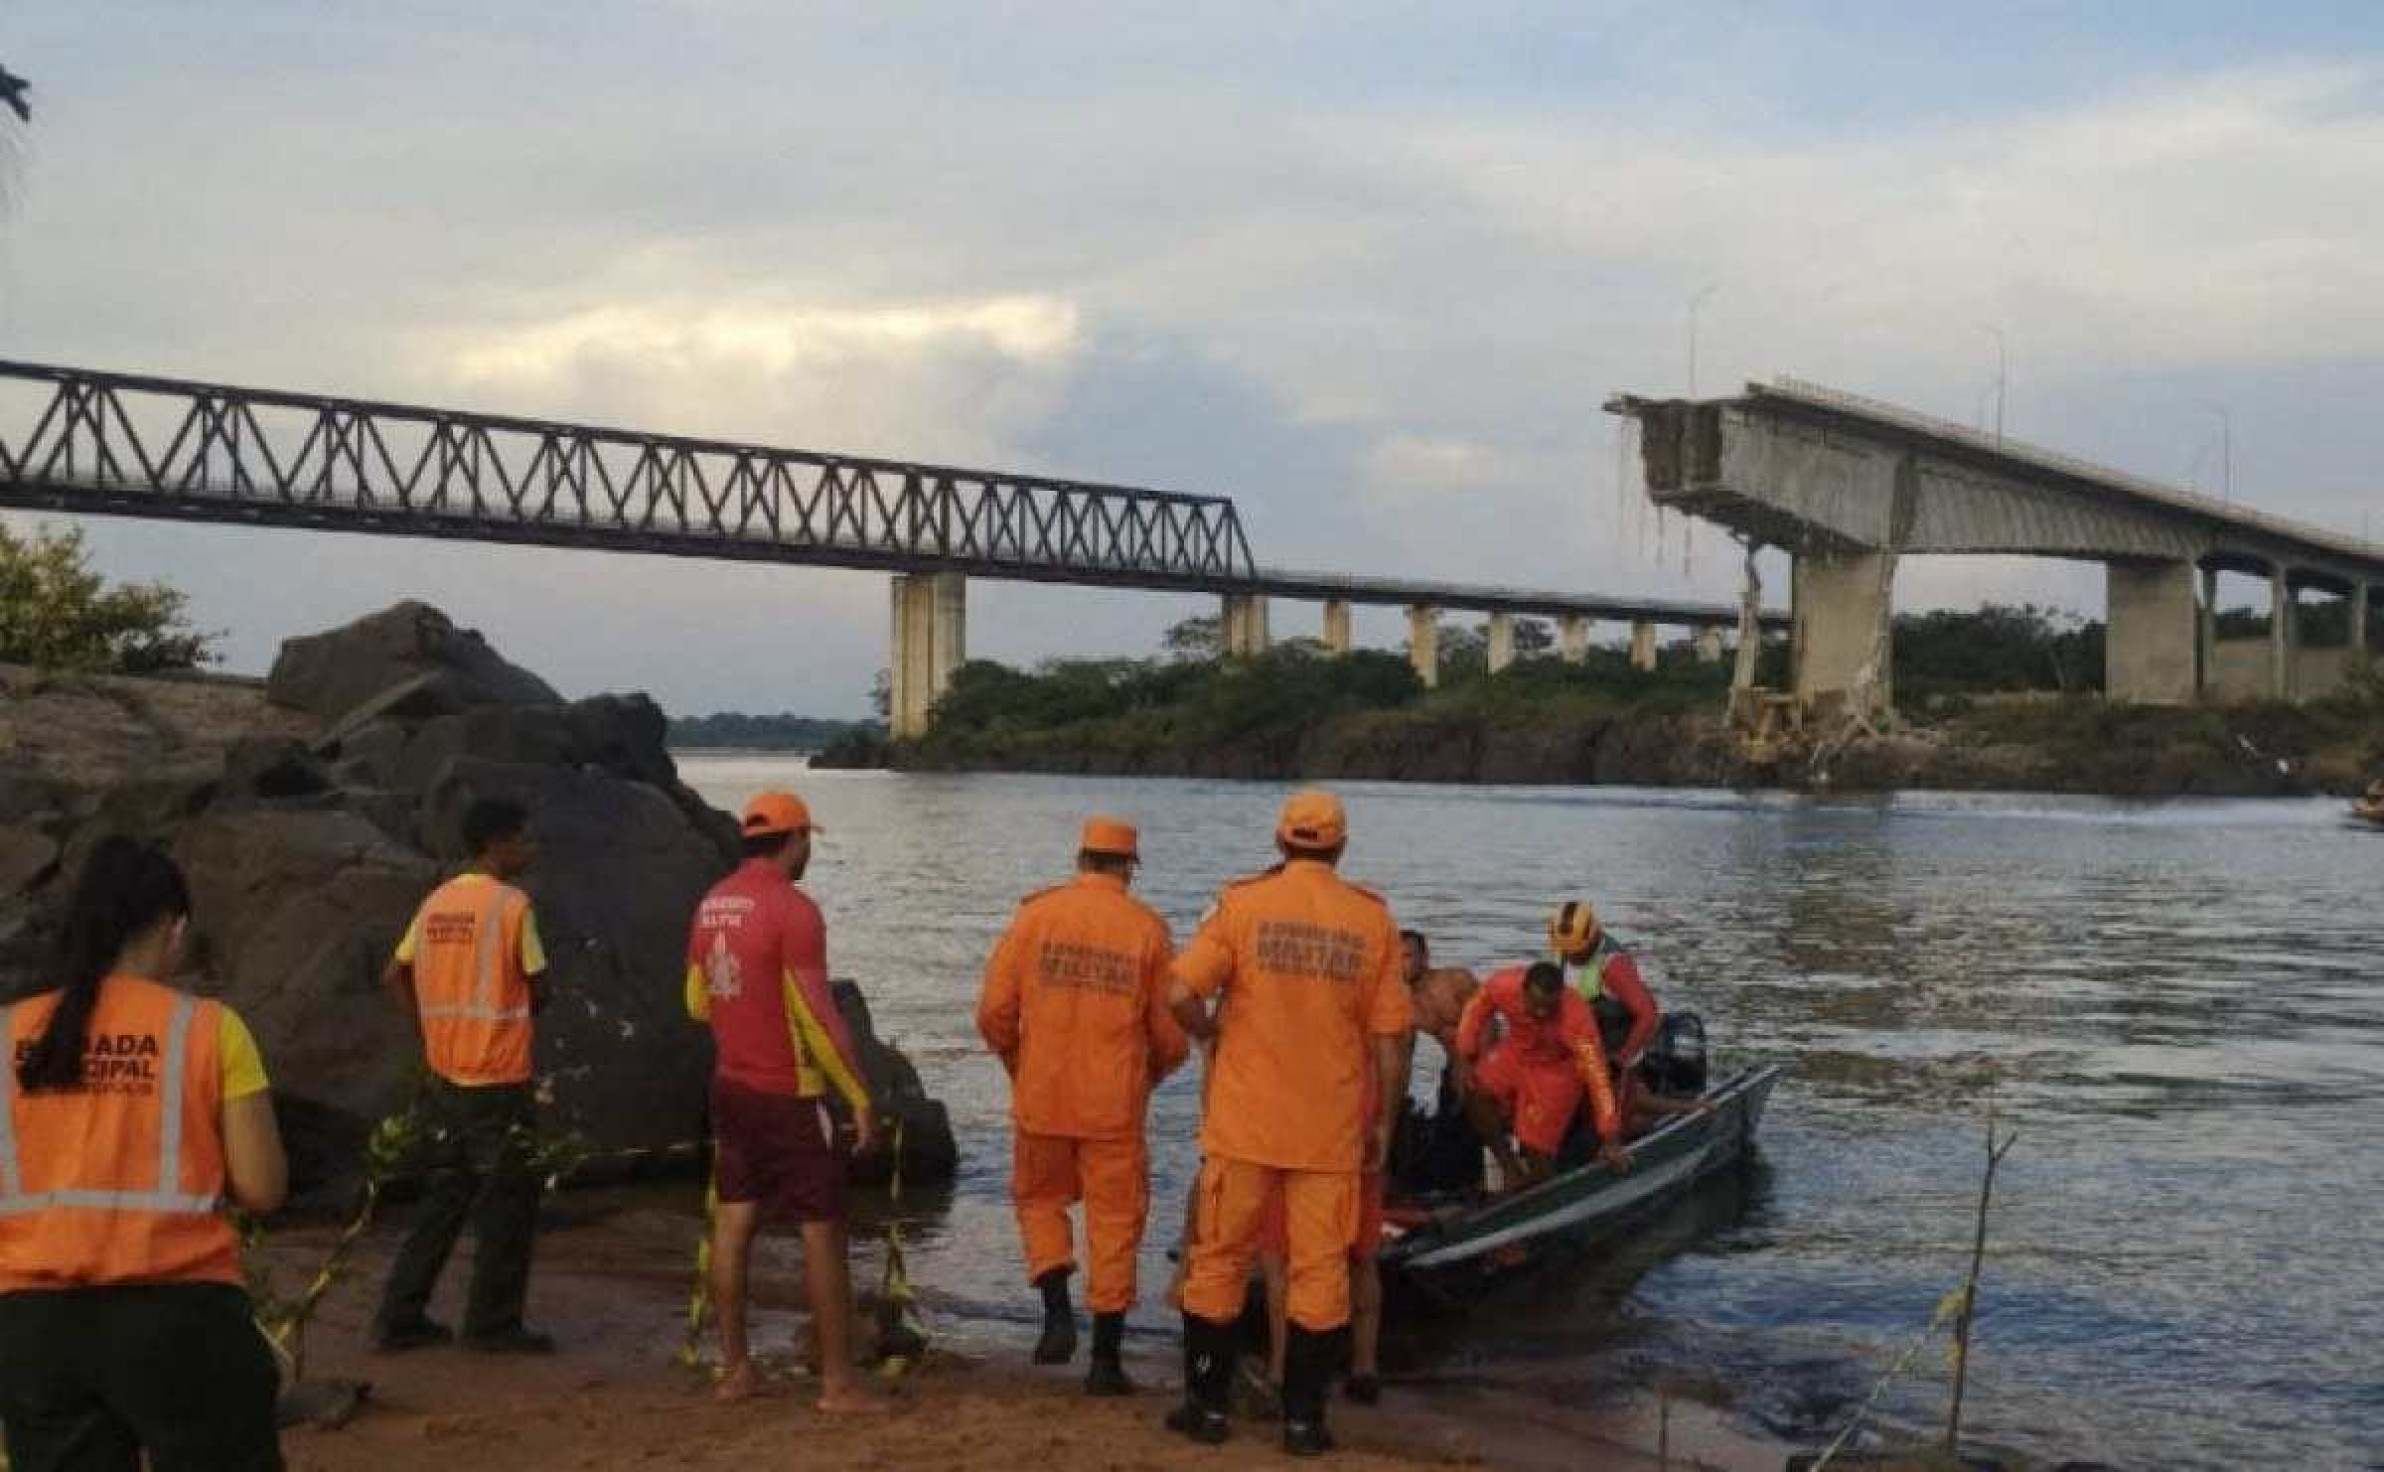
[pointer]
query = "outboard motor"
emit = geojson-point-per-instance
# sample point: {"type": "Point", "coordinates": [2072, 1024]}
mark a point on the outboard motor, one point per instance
{"type": "Point", "coordinates": [1675, 1062]}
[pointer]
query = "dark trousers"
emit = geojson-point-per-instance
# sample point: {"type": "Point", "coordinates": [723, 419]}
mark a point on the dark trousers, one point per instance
{"type": "Point", "coordinates": [91, 1378]}
{"type": "Point", "coordinates": [477, 1142]}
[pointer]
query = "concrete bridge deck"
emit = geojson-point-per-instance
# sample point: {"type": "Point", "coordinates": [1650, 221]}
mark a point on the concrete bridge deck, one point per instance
{"type": "Point", "coordinates": [1849, 485]}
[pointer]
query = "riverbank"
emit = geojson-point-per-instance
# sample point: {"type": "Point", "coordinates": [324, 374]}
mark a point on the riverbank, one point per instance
{"type": "Point", "coordinates": [611, 1285]}
{"type": "Point", "coordinates": [2080, 745]}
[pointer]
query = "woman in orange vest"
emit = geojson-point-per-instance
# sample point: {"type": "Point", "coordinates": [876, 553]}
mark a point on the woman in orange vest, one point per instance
{"type": "Point", "coordinates": [132, 1110]}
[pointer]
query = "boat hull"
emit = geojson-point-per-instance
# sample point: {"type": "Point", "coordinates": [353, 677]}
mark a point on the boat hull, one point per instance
{"type": "Point", "coordinates": [1579, 1206]}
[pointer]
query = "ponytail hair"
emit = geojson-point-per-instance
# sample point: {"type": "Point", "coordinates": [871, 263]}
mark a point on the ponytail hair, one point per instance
{"type": "Point", "coordinates": [126, 887]}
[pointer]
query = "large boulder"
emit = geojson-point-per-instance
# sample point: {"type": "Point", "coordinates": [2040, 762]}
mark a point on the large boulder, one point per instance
{"type": "Point", "coordinates": [328, 675]}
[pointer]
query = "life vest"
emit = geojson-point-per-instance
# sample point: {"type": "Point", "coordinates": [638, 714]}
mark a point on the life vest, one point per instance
{"type": "Point", "coordinates": [120, 1179]}
{"type": "Point", "coordinates": [1589, 978]}
{"type": "Point", "coordinates": [468, 982]}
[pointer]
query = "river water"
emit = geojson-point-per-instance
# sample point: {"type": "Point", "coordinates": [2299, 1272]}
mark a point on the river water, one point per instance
{"type": "Point", "coordinates": [2179, 1006]}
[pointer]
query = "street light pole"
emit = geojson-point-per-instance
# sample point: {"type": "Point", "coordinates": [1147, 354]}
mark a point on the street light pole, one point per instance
{"type": "Point", "coordinates": [1695, 302]}
{"type": "Point", "coordinates": [2002, 374]}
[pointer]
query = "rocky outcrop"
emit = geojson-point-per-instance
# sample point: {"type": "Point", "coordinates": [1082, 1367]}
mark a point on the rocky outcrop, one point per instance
{"type": "Point", "coordinates": [314, 811]}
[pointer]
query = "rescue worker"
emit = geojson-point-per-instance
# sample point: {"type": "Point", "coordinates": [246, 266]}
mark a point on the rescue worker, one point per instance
{"type": "Point", "coordinates": [133, 1110]}
{"type": "Point", "coordinates": [1075, 1006]}
{"type": "Point", "coordinates": [757, 971]}
{"type": "Point", "coordinates": [1605, 976]}
{"type": "Point", "coordinates": [1531, 1079]}
{"type": "Point", "coordinates": [1306, 967]}
{"type": "Point", "coordinates": [470, 969]}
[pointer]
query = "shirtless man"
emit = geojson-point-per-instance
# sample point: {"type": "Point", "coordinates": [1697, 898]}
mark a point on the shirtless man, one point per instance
{"type": "Point", "coordinates": [1440, 993]}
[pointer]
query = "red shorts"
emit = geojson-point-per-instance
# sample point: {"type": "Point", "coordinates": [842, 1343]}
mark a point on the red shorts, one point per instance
{"type": "Point", "coordinates": [777, 1150]}
{"type": "Point", "coordinates": [1538, 1097]}
{"type": "Point", "coordinates": [1274, 1231]}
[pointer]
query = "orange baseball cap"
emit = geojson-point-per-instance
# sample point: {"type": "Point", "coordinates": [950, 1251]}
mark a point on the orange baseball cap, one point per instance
{"type": "Point", "coordinates": [1106, 835]}
{"type": "Point", "coordinates": [1312, 819]}
{"type": "Point", "coordinates": [777, 812]}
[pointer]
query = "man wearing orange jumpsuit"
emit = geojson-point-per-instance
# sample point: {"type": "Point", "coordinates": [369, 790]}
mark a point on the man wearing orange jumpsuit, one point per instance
{"type": "Point", "coordinates": [1075, 1006]}
{"type": "Point", "coordinates": [1313, 1016]}
{"type": "Point", "coordinates": [1532, 1078]}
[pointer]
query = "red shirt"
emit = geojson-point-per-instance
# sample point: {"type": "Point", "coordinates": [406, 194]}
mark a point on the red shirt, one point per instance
{"type": "Point", "coordinates": [757, 970]}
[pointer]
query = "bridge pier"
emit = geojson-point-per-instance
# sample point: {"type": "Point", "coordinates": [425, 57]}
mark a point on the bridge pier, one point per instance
{"type": "Point", "coordinates": [2282, 635]}
{"type": "Point", "coordinates": [2207, 685]}
{"type": "Point", "coordinates": [930, 641]}
{"type": "Point", "coordinates": [1501, 641]}
{"type": "Point", "coordinates": [1841, 604]}
{"type": "Point", "coordinates": [2150, 632]}
{"type": "Point", "coordinates": [1242, 631]}
{"type": "Point", "coordinates": [1336, 627]}
{"type": "Point", "coordinates": [1572, 637]}
{"type": "Point", "coordinates": [1643, 645]}
{"type": "Point", "coordinates": [1423, 643]}
{"type": "Point", "coordinates": [1709, 645]}
{"type": "Point", "coordinates": [2359, 622]}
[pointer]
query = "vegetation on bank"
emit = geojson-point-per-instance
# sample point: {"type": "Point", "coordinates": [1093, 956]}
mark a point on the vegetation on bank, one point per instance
{"type": "Point", "coordinates": [57, 614]}
{"type": "Point", "coordinates": [1999, 697]}
{"type": "Point", "coordinates": [737, 731]}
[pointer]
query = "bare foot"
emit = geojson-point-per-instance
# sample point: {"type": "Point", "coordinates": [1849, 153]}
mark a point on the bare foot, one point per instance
{"type": "Point", "coordinates": [850, 1400]}
{"type": "Point", "coordinates": [736, 1383]}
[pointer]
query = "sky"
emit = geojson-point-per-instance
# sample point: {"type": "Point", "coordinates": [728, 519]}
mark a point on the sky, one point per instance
{"type": "Point", "coordinates": [1369, 269]}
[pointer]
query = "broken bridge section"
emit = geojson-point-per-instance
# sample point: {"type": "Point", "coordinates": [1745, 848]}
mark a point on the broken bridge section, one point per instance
{"type": "Point", "coordinates": [1849, 485]}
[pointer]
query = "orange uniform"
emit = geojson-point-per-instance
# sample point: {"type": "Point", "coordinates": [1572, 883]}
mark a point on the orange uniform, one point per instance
{"type": "Point", "coordinates": [1310, 969]}
{"type": "Point", "coordinates": [1075, 1006]}
{"type": "Point", "coordinates": [474, 948]}
{"type": "Point", "coordinates": [1538, 1070]}
{"type": "Point", "coordinates": [121, 1179]}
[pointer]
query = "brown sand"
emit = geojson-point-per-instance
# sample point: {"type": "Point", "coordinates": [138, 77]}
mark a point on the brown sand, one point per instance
{"type": "Point", "coordinates": [612, 1289]}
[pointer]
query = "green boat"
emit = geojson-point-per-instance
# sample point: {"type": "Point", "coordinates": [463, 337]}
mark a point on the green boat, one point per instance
{"type": "Point", "coordinates": [1575, 1208]}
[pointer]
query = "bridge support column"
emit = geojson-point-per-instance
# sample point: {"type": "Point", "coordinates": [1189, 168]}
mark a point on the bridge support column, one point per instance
{"type": "Point", "coordinates": [1842, 603]}
{"type": "Point", "coordinates": [1423, 643]}
{"type": "Point", "coordinates": [1242, 632]}
{"type": "Point", "coordinates": [1643, 645]}
{"type": "Point", "coordinates": [2282, 635]}
{"type": "Point", "coordinates": [1501, 641]}
{"type": "Point", "coordinates": [1336, 627]}
{"type": "Point", "coordinates": [1572, 637]}
{"type": "Point", "coordinates": [2207, 633]}
{"type": "Point", "coordinates": [2359, 649]}
{"type": "Point", "coordinates": [2148, 646]}
{"type": "Point", "coordinates": [1709, 645]}
{"type": "Point", "coordinates": [930, 640]}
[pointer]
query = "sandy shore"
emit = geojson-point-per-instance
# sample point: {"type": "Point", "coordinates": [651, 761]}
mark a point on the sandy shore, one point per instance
{"type": "Point", "coordinates": [612, 1288]}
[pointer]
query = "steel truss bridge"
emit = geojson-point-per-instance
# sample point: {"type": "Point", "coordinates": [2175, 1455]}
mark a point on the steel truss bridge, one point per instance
{"type": "Point", "coordinates": [97, 443]}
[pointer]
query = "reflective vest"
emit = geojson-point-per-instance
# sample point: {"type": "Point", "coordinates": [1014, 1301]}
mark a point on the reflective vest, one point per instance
{"type": "Point", "coordinates": [120, 1179]}
{"type": "Point", "coordinates": [468, 982]}
{"type": "Point", "coordinates": [1589, 978]}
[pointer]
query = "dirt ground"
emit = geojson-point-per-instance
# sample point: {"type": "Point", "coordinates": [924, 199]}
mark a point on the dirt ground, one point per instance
{"type": "Point", "coordinates": [613, 1291]}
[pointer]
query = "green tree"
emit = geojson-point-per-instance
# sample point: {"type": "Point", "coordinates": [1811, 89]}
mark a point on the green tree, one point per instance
{"type": "Point", "coordinates": [1194, 639]}
{"type": "Point", "coordinates": [56, 613]}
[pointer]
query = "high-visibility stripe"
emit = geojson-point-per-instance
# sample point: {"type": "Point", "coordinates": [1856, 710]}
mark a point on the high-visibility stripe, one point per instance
{"type": "Point", "coordinates": [169, 1094]}
{"type": "Point", "coordinates": [485, 1014]}
{"type": "Point", "coordinates": [10, 1184]}
{"type": "Point", "coordinates": [162, 1198]}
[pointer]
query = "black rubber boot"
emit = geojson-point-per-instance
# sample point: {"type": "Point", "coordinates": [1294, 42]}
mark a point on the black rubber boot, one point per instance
{"type": "Point", "coordinates": [1106, 1375]}
{"type": "Point", "coordinates": [1308, 1361]}
{"type": "Point", "coordinates": [1058, 1344]}
{"type": "Point", "coordinates": [1209, 1351]}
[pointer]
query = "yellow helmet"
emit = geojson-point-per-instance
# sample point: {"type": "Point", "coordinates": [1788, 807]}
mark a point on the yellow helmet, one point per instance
{"type": "Point", "coordinates": [1573, 928]}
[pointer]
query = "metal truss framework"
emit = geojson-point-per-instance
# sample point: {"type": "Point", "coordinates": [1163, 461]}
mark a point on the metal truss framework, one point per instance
{"type": "Point", "coordinates": [108, 443]}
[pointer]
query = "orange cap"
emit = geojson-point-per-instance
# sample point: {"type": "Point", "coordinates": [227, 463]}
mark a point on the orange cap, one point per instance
{"type": "Point", "coordinates": [777, 812]}
{"type": "Point", "coordinates": [1312, 819]}
{"type": "Point", "coordinates": [1106, 835]}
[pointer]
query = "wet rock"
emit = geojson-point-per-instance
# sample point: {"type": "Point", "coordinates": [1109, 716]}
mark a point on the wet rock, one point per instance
{"type": "Point", "coordinates": [272, 767]}
{"type": "Point", "coordinates": [329, 675]}
{"type": "Point", "coordinates": [27, 856]}
{"type": "Point", "coordinates": [929, 1153]}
